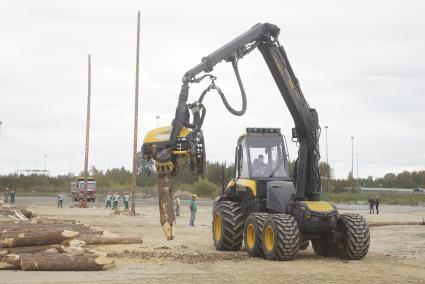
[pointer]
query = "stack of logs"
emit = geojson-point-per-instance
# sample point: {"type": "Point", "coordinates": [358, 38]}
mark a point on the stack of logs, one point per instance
{"type": "Point", "coordinates": [50, 244]}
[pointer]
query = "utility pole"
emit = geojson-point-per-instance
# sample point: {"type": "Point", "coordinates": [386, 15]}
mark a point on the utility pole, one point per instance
{"type": "Point", "coordinates": [86, 156]}
{"type": "Point", "coordinates": [327, 160]}
{"type": "Point", "coordinates": [1, 123]}
{"type": "Point", "coordinates": [157, 121]}
{"type": "Point", "coordinates": [136, 118]}
{"type": "Point", "coordinates": [352, 157]}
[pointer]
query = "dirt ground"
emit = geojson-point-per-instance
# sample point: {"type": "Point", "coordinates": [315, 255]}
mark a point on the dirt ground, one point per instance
{"type": "Point", "coordinates": [396, 255]}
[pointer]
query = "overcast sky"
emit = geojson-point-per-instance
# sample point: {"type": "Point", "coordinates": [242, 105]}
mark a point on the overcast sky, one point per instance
{"type": "Point", "coordinates": [361, 64]}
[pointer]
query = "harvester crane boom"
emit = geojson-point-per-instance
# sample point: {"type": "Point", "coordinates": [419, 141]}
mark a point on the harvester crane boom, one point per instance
{"type": "Point", "coordinates": [307, 129]}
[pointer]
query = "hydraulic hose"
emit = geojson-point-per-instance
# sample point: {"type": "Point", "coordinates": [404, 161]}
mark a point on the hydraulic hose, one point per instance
{"type": "Point", "coordinates": [244, 102]}
{"type": "Point", "coordinates": [223, 97]}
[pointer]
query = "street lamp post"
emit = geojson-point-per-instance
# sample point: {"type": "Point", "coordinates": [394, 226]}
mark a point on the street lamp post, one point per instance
{"type": "Point", "coordinates": [157, 120]}
{"type": "Point", "coordinates": [357, 166]}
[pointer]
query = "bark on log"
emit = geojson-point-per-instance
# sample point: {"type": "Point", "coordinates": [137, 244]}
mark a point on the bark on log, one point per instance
{"type": "Point", "coordinates": [166, 206]}
{"type": "Point", "coordinates": [34, 249]}
{"type": "Point", "coordinates": [379, 224]}
{"type": "Point", "coordinates": [100, 240]}
{"type": "Point", "coordinates": [10, 262]}
{"type": "Point", "coordinates": [86, 229]}
{"type": "Point", "coordinates": [37, 230]}
{"type": "Point", "coordinates": [57, 221]}
{"type": "Point", "coordinates": [63, 262]}
{"type": "Point", "coordinates": [35, 238]}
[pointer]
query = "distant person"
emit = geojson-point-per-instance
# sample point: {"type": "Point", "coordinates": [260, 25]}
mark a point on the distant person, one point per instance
{"type": "Point", "coordinates": [108, 200]}
{"type": "Point", "coordinates": [178, 206]}
{"type": "Point", "coordinates": [116, 198]}
{"type": "Point", "coordinates": [6, 195]}
{"type": "Point", "coordinates": [377, 204]}
{"type": "Point", "coordinates": [371, 205]}
{"type": "Point", "coordinates": [126, 199]}
{"type": "Point", "coordinates": [193, 208]}
{"type": "Point", "coordinates": [60, 200]}
{"type": "Point", "coordinates": [12, 197]}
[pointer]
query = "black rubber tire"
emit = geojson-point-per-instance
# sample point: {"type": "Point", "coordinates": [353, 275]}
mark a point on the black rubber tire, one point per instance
{"type": "Point", "coordinates": [356, 237]}
{"type": "Point", "coordinates": [323, 247]}
{"type": "Point", "coordinates": [286, 237]}
{"type": "Point", "coordinates": [232, 225]}
{"type": "Point", "coordinates": [257, 221]}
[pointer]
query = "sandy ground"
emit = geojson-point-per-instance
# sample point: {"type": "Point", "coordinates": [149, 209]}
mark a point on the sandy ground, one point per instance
{"type": "Point", "coordinates": [396, 255]}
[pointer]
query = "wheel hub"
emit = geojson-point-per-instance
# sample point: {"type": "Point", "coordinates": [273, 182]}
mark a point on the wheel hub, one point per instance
{"type": "Point", "coordinates": [217, 226]}
{"type": "Point", "coordinates": [269, 238]}
{"type": "Point", "coordinates": [250, 236]}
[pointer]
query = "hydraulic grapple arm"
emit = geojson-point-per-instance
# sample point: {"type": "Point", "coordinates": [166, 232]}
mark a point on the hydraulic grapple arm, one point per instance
{"type": "Point", "coordinates": [306, 131]}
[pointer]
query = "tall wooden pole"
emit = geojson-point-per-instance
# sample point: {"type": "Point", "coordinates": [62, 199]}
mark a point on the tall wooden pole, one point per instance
{"type": "Point", "coordinates": [86, 156]}
{"type": "Point", "coordinates": [136, 118]}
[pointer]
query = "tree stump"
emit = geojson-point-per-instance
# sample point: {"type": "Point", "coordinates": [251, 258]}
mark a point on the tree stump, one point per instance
{"type": "Point", "coordinates": [35, 238]}
{"type": "Point", "coordinates": [166, 206]}
{"type": "Point", "coordinates": [64, 262]}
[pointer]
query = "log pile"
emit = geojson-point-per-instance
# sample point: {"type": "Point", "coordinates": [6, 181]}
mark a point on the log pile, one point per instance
{"type": "Point", "coordinates": [30, 244]}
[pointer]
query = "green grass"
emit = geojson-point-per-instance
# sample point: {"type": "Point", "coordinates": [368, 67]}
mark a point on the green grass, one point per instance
{"type": "Point", "coordinates": [384, 198]}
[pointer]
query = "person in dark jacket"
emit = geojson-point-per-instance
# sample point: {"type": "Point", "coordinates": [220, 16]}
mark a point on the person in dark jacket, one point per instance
{"type": "Point", "coordinates": [371, 205]}
{"type": "Point", "coordinates": [12, 197]}
{"type": "Point", "coordinates": [377, 204]}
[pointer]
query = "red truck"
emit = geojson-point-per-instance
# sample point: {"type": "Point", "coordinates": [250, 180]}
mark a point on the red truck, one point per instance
{"type": "Point", "coordinates": [77, 189]}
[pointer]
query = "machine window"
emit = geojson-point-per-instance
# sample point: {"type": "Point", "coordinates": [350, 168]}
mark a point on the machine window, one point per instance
{"type": "Point", "coordinates": [244, 161]}
{"type": "Point", "coordinates": [267, 157]}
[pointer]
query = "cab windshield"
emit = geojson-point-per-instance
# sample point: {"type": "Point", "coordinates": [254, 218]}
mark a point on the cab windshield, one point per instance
{"type": "Point", "coordinates": [267, 156]}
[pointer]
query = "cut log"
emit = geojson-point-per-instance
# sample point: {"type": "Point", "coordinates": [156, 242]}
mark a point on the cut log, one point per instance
{"type": "Point", "coordinates": [167, 215]}
{"type": "Point", "coordinates": [10, 262]}
{"type": "Point", "coordinates": [10, 210]}
{"type": "Point", "coordinates": [379, 224]}
{"type": "Point", "coordinates": [21, 216]}
{"type": "Point", "coordinates": [35, 238]}
{"type": "Point", "coordinates": [63, 262]}
{"type": "Point", "coordinates": [14, 218]}
{"type": "Point", "coordinates": [57, 221]}
{"type": "Point", "coordinates": [100, 240]}
{"type": "Point", "coordinates": [86, 229]}
{"type": "Point", "coordinates": [34, 249]}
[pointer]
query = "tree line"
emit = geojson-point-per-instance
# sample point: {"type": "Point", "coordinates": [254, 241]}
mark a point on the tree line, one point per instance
{"type": "Point", "coordinates": [209, 185]}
